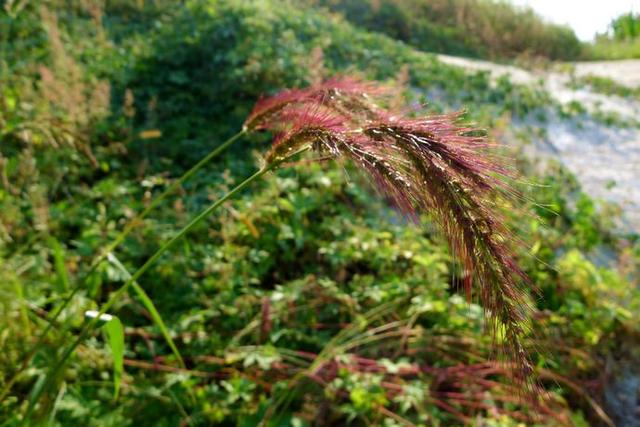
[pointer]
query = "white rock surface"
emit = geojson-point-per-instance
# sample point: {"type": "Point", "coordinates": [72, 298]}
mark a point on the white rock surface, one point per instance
{"type": "Point", "coordinates": [605, 159]}
{"type": "Point", "coordinates": [625, 72]}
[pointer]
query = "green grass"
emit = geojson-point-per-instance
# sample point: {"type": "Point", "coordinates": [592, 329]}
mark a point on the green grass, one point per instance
{"type": "Point", "coordinates": [606, 49]}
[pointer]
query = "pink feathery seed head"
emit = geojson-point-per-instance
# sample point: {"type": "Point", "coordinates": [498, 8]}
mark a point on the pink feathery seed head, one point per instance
{"type": "Point", "coordinates": [435, 165]}
{"type": "Point", "coordinates": [308, 127]}
{"type": "Point", "coordinates": [355, 99]}
{"type": "Point", "coordinates": [386, 168]}
{"type": "Point", "coordinates": [264, 110]}
{"type": "Point", "coordinates": [431, 164]}
{"type": "Point", "coordinates": [299, 116]}
{"type": "Point", "coordinates": [354, 86]}
{"type": "Point", "coordinates": [465, 149]}
{"type": "Point", "coordinates": [345, 95]}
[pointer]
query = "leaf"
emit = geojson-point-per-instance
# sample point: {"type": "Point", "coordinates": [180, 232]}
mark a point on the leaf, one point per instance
{"type": "Point", "coordinates": [115, 339]}
{"type": "Point", "coordinates": [115, 335]}
{"type": "Point", "coordinates": [151, 308]}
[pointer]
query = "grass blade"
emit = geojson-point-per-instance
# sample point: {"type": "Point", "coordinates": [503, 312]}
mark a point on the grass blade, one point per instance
{"type": "Point", "coordinates": [151, 308]}
{"type": "Point", "coordinates": [115, 334]}
{"type": "Point", "coordinates": [115, 339]}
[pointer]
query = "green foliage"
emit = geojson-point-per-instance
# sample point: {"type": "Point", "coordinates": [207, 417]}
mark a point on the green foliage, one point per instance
{"type": "Point", "coordinates": [255, 49]}
{"type": "Point", "coordinates": [306, 266]}
{"type": "Point", "coordinates": [607, 86]}
{"type": "Point", "coordinates": [626, 26]}
{"type": "Point", "coordinates": [478, 28]}
{"type": "Point", "coordinates": [622, 42]}
{"type": "Point", "coordinates": [151, 308]}
{"type": "Point", "coordinates": [604, 48]}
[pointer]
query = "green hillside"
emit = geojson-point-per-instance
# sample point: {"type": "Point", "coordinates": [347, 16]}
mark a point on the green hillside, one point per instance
{"type": "Point", "coordinates": [477, 28]}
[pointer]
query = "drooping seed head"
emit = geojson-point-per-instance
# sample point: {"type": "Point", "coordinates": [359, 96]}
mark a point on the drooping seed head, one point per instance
{"type": "Point", "coordinates": [429, 165]}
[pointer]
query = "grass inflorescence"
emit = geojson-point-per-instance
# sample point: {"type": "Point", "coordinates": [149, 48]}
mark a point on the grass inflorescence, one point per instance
{"type": "Point", "coordinates": [425, 164]}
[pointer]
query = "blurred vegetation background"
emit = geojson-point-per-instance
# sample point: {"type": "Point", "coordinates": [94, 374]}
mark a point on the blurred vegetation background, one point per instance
{"type": "Point", "coordinates": [621, 42]}
{"type": "Point", "coordinates": [307, 299]}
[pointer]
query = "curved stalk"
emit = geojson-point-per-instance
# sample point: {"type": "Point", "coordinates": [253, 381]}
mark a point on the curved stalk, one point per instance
{"type": "Point", "coordinates": [110, 248]}
{"type": "Point", "coordinates": [134, 277]}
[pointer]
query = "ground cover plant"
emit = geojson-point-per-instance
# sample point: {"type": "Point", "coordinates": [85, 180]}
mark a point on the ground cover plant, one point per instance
{"type": "Point", "coordinates": [609, 87]}
{"type": "Point", "coordinates": [307, 299]}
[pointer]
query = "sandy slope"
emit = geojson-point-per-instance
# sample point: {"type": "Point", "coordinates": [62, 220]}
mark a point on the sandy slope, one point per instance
{"type": "Point", "coordinates": [625, 72]}
{"type": "Point", "coordinates": [605, 159]}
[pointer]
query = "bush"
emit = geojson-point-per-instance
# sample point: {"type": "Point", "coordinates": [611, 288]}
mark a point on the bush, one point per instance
{"type": "Point", "coordinates": [479, 28]}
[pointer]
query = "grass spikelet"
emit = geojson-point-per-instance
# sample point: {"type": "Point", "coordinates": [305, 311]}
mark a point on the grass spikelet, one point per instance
{"type": "Point", "coordinates": [307, 127]}
{"type": "Point", "coordinates": [450, 176]}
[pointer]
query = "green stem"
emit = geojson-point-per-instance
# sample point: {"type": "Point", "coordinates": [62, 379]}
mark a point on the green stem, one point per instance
{"type": "Point", "coordinates": [119, 239]}
{"type": "Point", "coordinates": [123, 289]}
{"type": "Point", "coordinates": [130, 226]}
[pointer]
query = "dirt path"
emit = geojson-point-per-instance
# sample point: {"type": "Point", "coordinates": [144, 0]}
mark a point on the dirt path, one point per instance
{"type": "Point", "coordinates": [606, 159]}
